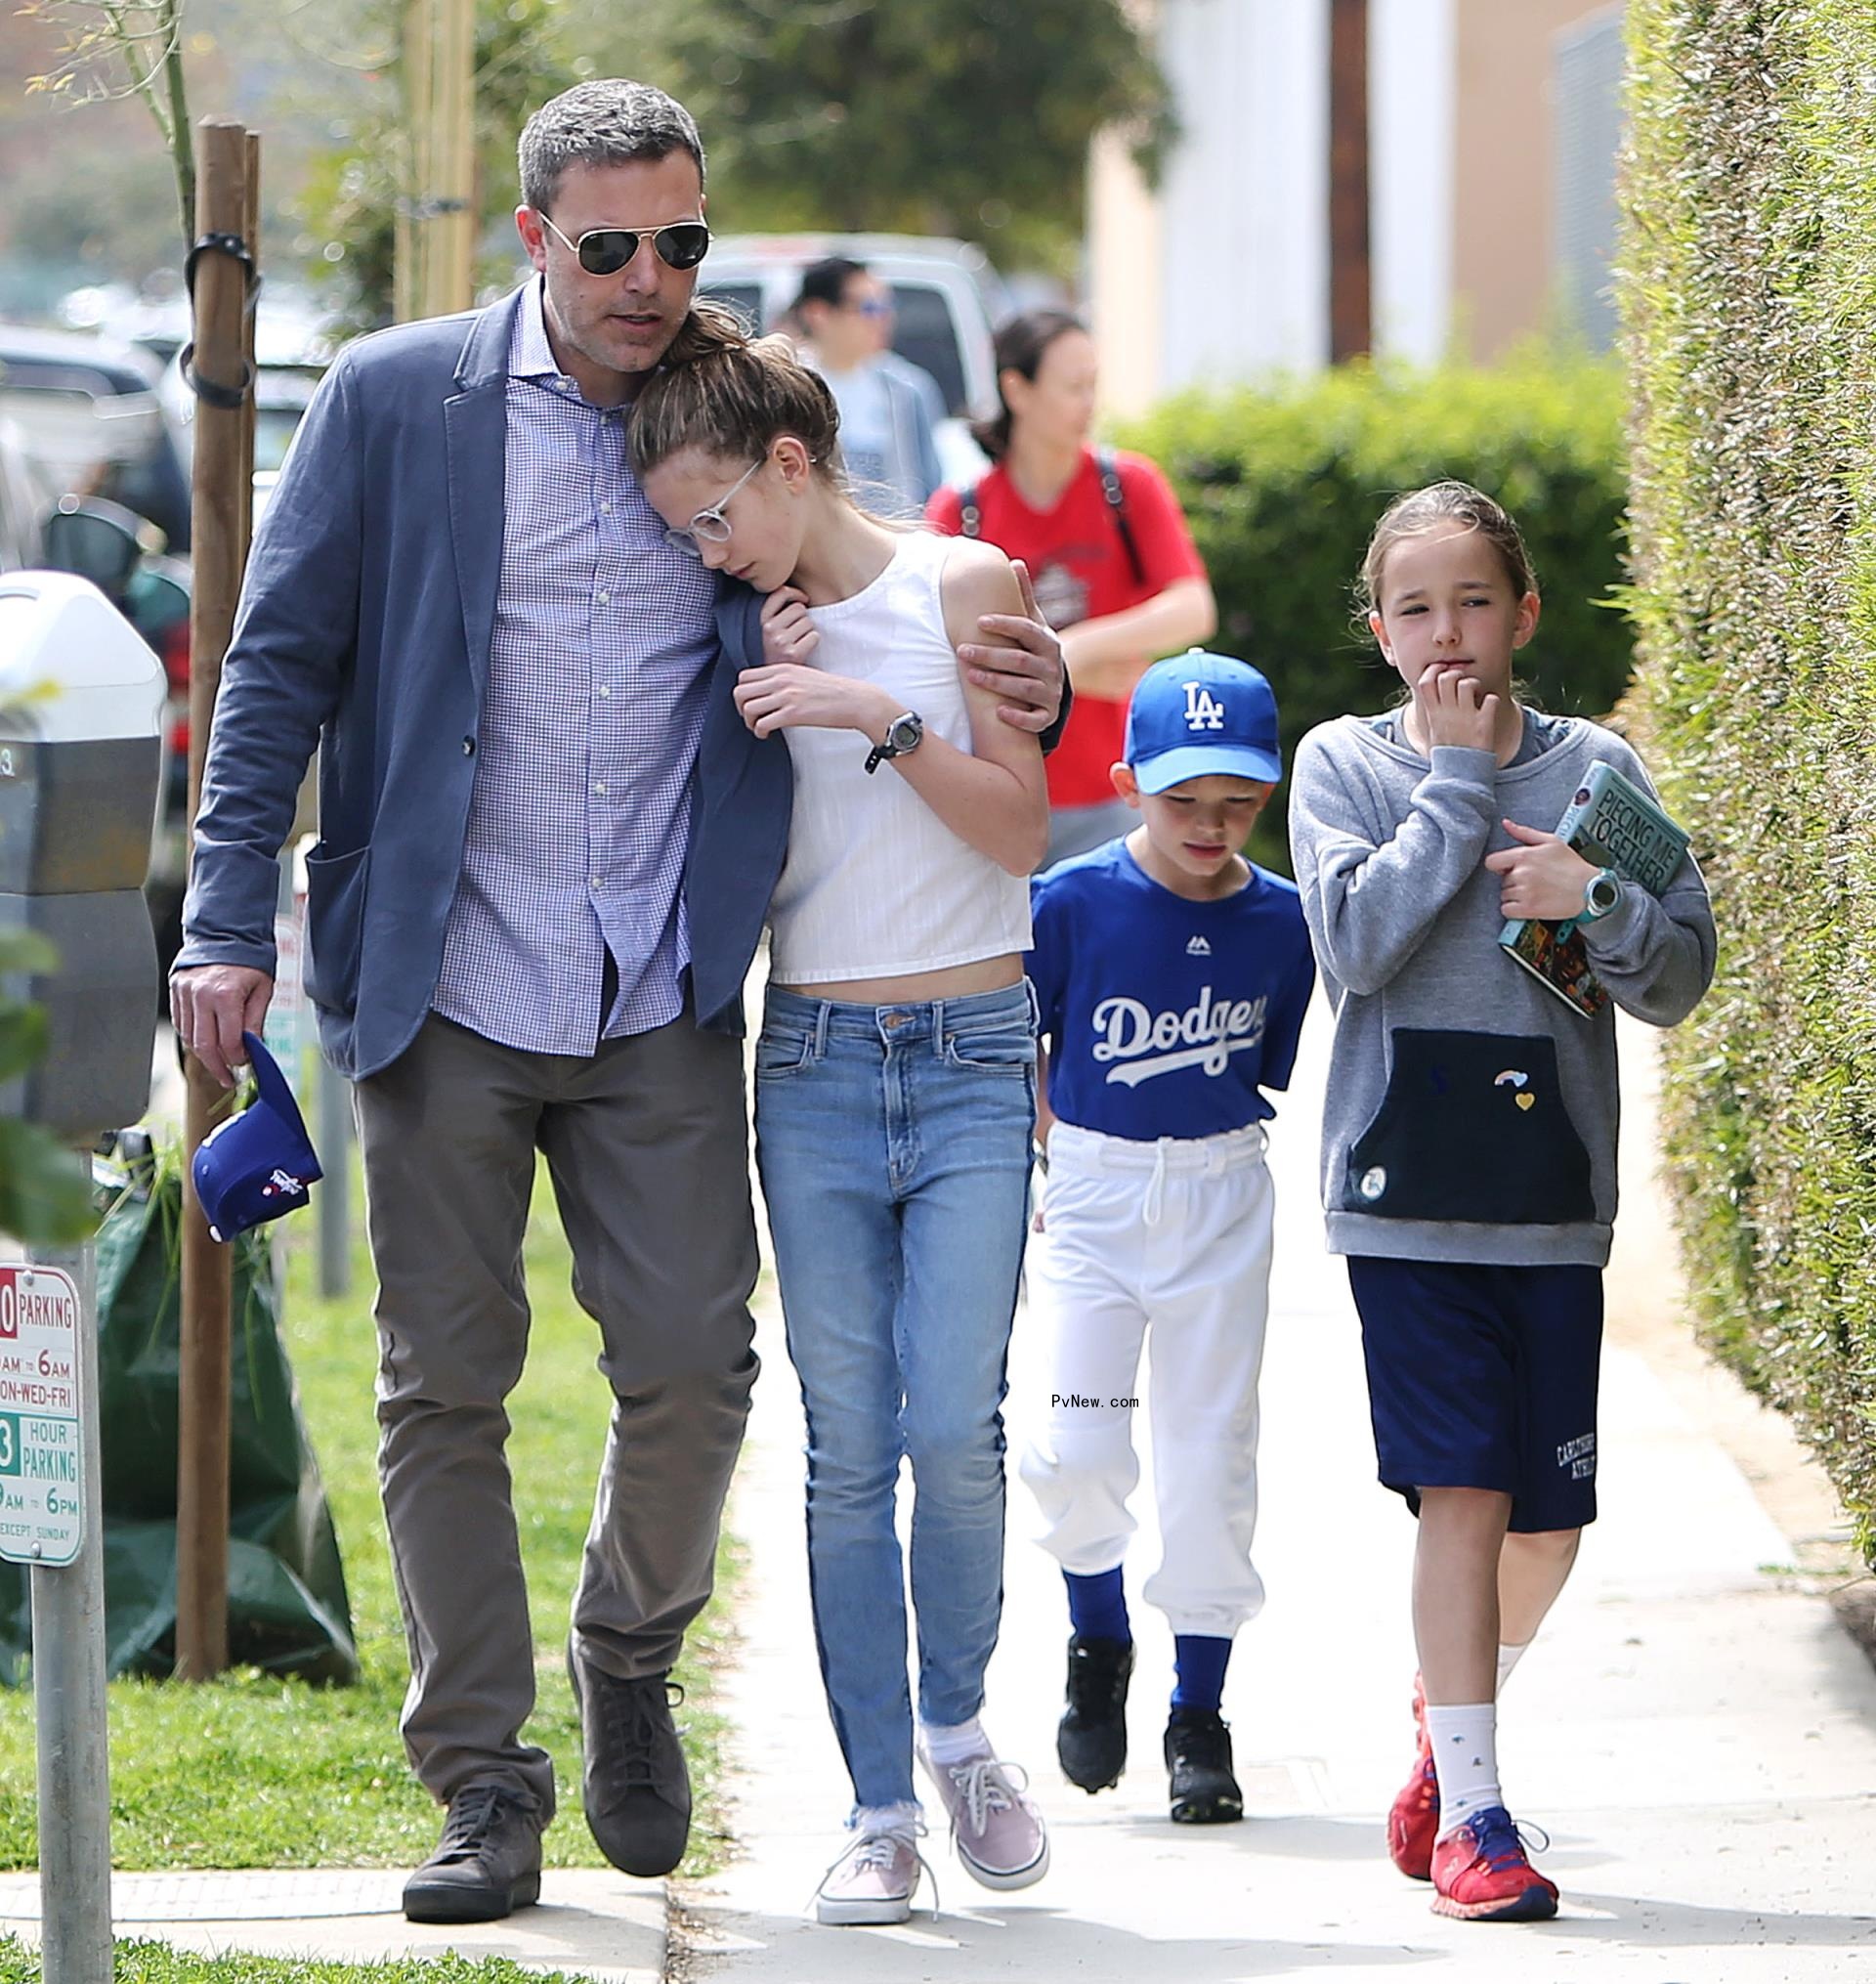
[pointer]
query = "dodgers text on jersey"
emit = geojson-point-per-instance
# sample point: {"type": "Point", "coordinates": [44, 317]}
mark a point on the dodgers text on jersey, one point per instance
{"type": "Point", "coordinates": [1143, 1044]}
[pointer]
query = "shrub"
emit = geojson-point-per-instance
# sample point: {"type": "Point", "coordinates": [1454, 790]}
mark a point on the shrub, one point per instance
{"type": "Point", "coordinates": [1749, 277]}
{"type": "Point", "coordinates": [1283, 486]}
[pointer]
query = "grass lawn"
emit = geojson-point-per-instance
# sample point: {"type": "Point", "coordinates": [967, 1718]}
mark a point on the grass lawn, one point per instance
{"type": "Point", "coordinates": [156, 1964]}
{"type": "Point", "coordinates": [251, 1771]}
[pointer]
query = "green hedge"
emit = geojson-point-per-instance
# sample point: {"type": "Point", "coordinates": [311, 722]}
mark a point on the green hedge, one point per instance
{"type": "Point", "coordinates": [1750, 299]}
{"type": "Point", "coordinates": [1283, 486]}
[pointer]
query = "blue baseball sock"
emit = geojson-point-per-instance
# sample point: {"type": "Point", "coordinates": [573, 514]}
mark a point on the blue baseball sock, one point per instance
{"type": "Point", "coordinates": [1201, 1659]}
{"type": "Point", "coordinates": [1098, 1605]}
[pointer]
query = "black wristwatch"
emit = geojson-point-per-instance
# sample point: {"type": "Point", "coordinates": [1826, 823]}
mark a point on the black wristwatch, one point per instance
{"type": "Point", "coordinates": [904, 735]}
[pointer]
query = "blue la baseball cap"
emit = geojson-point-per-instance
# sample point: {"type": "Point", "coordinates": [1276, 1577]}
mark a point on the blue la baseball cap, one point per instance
{"type": "Point", "coordinates": [1200, 713]}
{"type": "Point", "coordinates": [258, 1164]}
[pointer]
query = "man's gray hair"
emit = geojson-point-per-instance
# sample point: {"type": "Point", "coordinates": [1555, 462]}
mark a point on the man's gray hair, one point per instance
{"type": "Point", "coordinates": [608, 122]}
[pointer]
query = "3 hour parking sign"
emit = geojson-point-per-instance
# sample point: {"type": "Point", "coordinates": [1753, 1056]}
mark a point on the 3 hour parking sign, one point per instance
{"type": "Point", "coordinates": [41, 1461]}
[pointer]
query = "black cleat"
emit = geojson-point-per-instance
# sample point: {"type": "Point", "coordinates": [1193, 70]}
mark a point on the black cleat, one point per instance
{"type": "Point", "coordinates": [1198, 1763]}
{"type": "Point", "coordinates": [1090, 1740]}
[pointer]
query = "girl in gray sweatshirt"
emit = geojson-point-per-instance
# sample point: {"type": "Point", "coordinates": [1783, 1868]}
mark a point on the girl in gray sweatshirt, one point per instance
{"type": "Point", "coordinates": [1469, 1131]}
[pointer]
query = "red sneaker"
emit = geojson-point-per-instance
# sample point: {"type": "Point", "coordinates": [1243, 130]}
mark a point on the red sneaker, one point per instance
{"type": "Point", "coordinates": [1413, 1821]}
{"type": "Point", "coordinates": [1480, 1873]}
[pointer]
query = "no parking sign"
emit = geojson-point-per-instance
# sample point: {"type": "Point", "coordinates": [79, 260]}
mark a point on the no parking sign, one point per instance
{"type": "Point", "coordinates": [42, 1477]}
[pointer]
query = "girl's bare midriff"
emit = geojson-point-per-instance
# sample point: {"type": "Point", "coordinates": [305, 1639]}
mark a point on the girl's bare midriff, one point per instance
{"type": "Point", "coordinates": [954, 981]}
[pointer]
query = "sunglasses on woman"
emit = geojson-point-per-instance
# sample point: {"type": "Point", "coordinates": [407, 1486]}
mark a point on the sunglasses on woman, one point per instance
{"type": "Point", "coordinates": [605, 251]}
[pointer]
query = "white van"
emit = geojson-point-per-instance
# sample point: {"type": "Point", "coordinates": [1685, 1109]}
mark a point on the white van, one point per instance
{"type": "Point", "coordinates": [945, 294]}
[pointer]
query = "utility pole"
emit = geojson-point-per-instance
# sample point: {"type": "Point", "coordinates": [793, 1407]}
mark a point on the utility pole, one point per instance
{"type": "Point", "coordinates": [1350, 326]}
{"type": "Point", "coordinates": [435, 231]}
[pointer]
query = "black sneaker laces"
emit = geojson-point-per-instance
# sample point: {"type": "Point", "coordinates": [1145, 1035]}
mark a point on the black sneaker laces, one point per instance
{"type": "Point", "coordinates": [629, 1711]}
{"type": "Point", "coordinates": [473, 1815]}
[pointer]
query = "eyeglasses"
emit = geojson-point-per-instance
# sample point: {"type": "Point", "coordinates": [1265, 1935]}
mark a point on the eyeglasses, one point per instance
{"type": "Point", "coordinates": [709, 525]}
{"type": "Point", "coordinates": [605, 251]}
{"type": "Point", "coordinates": [871, 306]}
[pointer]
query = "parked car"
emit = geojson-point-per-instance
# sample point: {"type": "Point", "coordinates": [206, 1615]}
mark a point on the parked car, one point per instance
{"type": "Point", "coordinates": [88, 410]}
{"type": "Point", "coordinates": [25, 500]}
{"type": "Point", "coordinates": [946, 296]}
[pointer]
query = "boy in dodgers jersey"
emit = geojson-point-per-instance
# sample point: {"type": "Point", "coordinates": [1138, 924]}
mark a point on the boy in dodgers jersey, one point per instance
{"type": "Point", "coordinates": [1173, 977]}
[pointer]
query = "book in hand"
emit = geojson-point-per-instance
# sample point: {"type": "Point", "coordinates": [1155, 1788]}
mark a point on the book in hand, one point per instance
{"type": "Point", "coordinates": [1611, 823]}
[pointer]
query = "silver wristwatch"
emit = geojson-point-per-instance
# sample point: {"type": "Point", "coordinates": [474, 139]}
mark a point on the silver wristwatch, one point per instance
{"type": "Point", "coordinates": [1601, 894]}
{"type": "Point", "coordinates": [904, 735]}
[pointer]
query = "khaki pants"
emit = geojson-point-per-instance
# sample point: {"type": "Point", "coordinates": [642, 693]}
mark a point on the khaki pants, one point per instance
{"type": "Point", "coordinates": [647, 1145]}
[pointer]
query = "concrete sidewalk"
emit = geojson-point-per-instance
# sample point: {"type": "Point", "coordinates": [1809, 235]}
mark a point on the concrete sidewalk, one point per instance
{"type": "Point", "coordinates": [1698, 1737]}
{"type": "Point", "coordinates": [591, 1923]}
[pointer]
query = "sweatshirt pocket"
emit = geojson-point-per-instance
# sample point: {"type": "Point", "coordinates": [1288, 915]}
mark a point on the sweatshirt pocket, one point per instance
{"type": "Point", "coordinates": [1472, 1127]}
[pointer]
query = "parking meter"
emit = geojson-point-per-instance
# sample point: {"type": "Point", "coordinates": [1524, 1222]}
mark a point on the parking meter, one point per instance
{"type": "Point", "coordinates": [81, 702]}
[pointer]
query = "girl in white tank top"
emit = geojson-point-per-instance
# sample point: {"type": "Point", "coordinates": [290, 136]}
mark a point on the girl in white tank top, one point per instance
{"type": "Point", "coordinates": [895, 1077]}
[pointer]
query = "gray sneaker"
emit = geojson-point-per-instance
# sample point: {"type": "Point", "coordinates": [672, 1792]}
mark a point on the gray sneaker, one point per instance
{"type": "Point", "coordinates": [636, 1784]}
{"type": "Point", "coordinates": [999, 1833]}
{"type": "Point", "coordinates": [486, 1865]}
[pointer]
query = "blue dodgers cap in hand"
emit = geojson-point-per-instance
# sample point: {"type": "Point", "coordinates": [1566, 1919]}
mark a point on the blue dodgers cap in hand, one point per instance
{"type": "Point", "coordinates": [1200, 713]}
{"type": "Point", "coordinates": [257, 1165]}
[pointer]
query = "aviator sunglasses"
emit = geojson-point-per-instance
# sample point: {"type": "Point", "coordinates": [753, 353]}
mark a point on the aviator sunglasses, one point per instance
{"type": "Point", "coordinates": [605, 251]}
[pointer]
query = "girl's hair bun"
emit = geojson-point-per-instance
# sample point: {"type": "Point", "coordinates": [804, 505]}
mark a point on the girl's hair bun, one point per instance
{"type": "Point", "coordinates": [730, 393]}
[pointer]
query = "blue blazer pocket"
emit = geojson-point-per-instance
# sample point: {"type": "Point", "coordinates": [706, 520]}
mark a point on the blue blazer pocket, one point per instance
{"type": "Point", "coordinates": [336, 890]}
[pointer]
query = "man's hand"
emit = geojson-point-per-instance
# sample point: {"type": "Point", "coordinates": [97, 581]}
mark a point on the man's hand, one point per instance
{"type": "Point", "coordinates": [1542, 877]}
{"type": "Point", "coordinates": [788, 633]}
{"type": "Point", "coordinates": [212, 1006]}
{"type": "Point", "coordinates": [1022, 660]}
{"type": "Point", "coordinates": [1452, 711]}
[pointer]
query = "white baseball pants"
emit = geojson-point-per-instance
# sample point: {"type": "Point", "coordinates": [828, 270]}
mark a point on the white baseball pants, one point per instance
{"type": "Point", "coordinates": [1175, 1234]}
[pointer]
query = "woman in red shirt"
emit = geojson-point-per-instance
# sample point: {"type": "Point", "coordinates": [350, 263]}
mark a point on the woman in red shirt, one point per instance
{"type": "Point", "coordinates": [1115, 568]}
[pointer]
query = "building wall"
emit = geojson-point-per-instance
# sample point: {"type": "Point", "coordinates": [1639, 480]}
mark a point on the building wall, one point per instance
{"type": "Point", "coordinates": [1412, 77]}
{"type": "Point", "coordinates": [1245, 197]}
{"type": "Point", "coordinates": [1124, 256]}
{"type": "Point", "coordinates": [1590, 63]}
{"type": "Point", "coordinates": [1504, 168]}
{"type": "Point", "coordinates": [1235, 283]}
{"type": "Point", "coordinates": [1223, 273]}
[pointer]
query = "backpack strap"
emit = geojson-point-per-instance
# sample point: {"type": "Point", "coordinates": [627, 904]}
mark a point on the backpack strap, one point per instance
{"type": "Point", "coordinates": [970, 515]}
{"type": "Point", "coordinates": [1116, 498]}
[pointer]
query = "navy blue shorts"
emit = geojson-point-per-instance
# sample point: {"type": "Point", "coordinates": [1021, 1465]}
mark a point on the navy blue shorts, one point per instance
{"type": "Point", "coordinates": [1484, 1377]}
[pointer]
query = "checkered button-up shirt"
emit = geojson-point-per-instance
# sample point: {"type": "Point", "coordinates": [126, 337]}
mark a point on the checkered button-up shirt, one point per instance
{"type": "Point", "coordinates": [598, 675]}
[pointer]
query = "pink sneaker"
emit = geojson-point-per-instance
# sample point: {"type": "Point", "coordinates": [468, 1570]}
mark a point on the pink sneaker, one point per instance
{"type": "Point", "coordinates": [872, 1880]}
{"type": "Point", "coordinates": [999, 1833]}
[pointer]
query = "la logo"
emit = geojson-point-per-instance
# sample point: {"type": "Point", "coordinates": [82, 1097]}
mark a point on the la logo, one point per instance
{"type": "Point", "coordinates": [1203, 710]}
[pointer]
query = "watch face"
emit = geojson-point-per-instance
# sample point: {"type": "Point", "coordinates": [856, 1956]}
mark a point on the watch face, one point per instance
{"type": "Point", "coordinates": [904, 732]}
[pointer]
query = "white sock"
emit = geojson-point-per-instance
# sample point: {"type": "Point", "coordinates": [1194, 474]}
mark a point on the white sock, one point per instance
{"type": "Point", "coordinates": [1464, 1745]}
{"type": "Point", "coordinates": [955, 1742]}
{"type": "Point", "coordinates": [1507, 1659]}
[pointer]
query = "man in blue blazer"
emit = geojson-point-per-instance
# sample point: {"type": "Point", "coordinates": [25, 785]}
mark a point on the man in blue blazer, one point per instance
{"type": "Point", "coordinates": [546, 844]}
